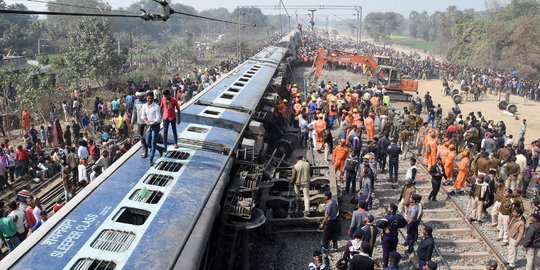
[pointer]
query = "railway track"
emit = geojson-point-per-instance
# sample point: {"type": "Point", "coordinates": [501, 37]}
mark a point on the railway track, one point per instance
{"type": "Point", "coordinates": [458, 243]}
{"type": "Point", "coordinates": [52, 185]}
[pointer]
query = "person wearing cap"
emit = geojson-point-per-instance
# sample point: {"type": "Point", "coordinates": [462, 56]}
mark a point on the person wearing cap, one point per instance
{"type": "Point", "coordinates": [499, 196]}
{"type": "Point", "coordinates": [430, 265]}
{"type": "Point", "coordinates": [329, 225]}
{"type": "Point", "coordinates": [393, 160]}
{"type": "Point", "coordinates": [390, 224]}
{"type": "Point", "coordinates": [332, 110]}
{"type": "Point", "coordinates": [136, 118]}
{"type": "Point", "coordinates": [394, 259]}
{"type": "Point", "coordinates": [431, 149]}
{"type": "Point", "coordinates": [463, 173]}
{"type": "Point", "coordinates": [414, 216]}
{"type": "Point", "coordinates": [319, 126]}
{"type": "Point", "coordinates": [515, 234]}
{"type": "Point", "coordinates": [301, 175]}
{"type": "Point", "coordinates": [531, 241]}
{"type": "Point", "coordinates": [370, 127]}
{"type": "Point", "coordinates": [362, 260]}
{"type": "Point", "coordinates": [479, 195]}
{"type": "Point", "coordinates": [340, 155]}
{"type": "Point", "coordinates": [505, 210]}
{"type": "Point", "coordinates": [425, 247]}
{"type": "Point", "coordinates": [437, 174]}
{"type": "Point", "coordinates": [370, 232]}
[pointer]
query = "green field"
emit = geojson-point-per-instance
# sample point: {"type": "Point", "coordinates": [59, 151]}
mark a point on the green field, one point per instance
{"type": "Point", "coordinates": [413, 43]}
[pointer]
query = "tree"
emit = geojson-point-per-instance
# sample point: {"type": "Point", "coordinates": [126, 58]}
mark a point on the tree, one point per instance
{"type": "Point", "coordinates": [92, 53]}
{"type": "Point", "coordinates": [381, 25]}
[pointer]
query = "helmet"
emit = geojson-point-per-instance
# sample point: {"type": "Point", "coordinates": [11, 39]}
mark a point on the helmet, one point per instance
{"type": "Point", "coordinates": [321, 115]}
{"type": "Point", "coordinates": [355, 110]}
{"type": "Point", "coordinates": [296, 118]}
{"type": "Point", "coordinates": [298, 94]}
{"type": "Point", "coordinates": [295, 85]}
{"type": "Point", "coordinates": [342, 101]}
{"type": "Point", "coordinates": [303, 104]}
{"type": "Point", "coordinates": [348, 93]}
{"type": "Point", "coordinates": [285, 101]}
{"type": "Point", "coordinates": [333, 99]}
{"type": "Point", "coordinates": [366, 156]}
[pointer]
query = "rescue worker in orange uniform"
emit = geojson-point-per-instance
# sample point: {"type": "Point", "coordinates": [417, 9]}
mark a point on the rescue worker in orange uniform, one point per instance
{"type": "Point", "coordinates": [431, 148]}
{"type": "Point", "coordinates": [459, 185]}
{"type": "Point", "coordinates": [332, 110]}
{"type": "Point", "coordinates": [319, 126]}
{"type": "Point", "coordinates": [370, 127]}
{"type": "Point", "coordinates": [442, 151]}
{"type": "Point", "coordinates": [340, 155]}
{"type": "Point", "coordinates": [450, 163]}
{"type": "Point", "coordinates": [282, 109]}
{"type": "Point", "coordinates": [354, 99]}
{"type": "Point", "coordinates": [297, 108]}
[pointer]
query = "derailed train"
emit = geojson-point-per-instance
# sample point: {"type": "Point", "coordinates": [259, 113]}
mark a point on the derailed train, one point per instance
{"type": "Point", "coordinates": [166, 216]}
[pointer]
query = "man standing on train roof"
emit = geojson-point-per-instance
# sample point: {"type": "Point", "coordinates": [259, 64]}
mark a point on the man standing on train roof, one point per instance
{"type": "Point", "coordinates": [390, 224]}
{"type": "Point", "coordinates": [301, 175]}
{"type": "Point", "coordinates": [136, 118]}
{"type": "Point", "coordinates": [151, 115]}
{"type": "Point", "coordinates": [171, 115]}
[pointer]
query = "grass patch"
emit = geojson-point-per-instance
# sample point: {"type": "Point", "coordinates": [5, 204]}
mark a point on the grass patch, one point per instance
{"type": "Point", "coordinates": [413, 43]}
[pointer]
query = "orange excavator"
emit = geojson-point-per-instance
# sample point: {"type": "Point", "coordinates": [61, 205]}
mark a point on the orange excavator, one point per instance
{"type": "Point", "coordinates": [383, 74]}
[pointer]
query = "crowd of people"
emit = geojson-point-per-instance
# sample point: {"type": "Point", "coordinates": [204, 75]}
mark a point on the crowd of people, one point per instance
{"type": "Point", "coordinates": [466, 151]}
{"type": "Point", "coordinates": [89, 142]}
{"type": "Point", "coordinates": [414, 66]}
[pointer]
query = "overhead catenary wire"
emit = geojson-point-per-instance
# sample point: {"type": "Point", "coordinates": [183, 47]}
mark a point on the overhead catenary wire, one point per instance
{"type": "Point", "coordinates": [76, 6]}
{"type": "Point", "coordinates": [81, 14]}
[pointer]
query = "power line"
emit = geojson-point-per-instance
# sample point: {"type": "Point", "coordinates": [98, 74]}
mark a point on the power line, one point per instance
{"type": "Point", "coordinates": [71, 5]}
{"type": "Point", "coordinates": [32, 12]}
{"type": "Point", "coordinates": [144, 16]}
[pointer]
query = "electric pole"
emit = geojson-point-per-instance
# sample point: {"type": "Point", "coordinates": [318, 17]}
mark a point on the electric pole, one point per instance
{"type": "Point", "coordinates": [312, 19]}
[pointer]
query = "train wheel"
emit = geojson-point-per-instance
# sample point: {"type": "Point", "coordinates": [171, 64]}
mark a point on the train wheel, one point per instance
{"type": "Point", "coordinates": [503, 105]}
{"type": "Point", "coordinates": [457, 99]}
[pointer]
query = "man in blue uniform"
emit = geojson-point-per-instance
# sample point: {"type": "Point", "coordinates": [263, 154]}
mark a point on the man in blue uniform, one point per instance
{"type": "Point", "coordinates": [395, 257]}
{"type": "Point", "coordinates": [370, 233]}
{"type": "Point", "coordinates": [393, 160]}
{"type": "Point", "coordinates": [329, 224]}
{"type": "Point", "coordinates": [390, 224]}
{"type": "Point", "coordinates": [414, 215]}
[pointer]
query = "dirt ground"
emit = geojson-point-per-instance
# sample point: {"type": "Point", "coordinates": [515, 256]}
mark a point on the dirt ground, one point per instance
{"type": "Point", "coordinates": [489, 109]}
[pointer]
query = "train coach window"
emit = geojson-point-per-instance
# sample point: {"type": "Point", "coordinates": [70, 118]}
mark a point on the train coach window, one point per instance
{"type": "Point", "coordinates": [169, 166]}
{"type": "Point", "coordinates": [113, 240]}
{"type": "Point", "coordinates": [251, 72]}
{"type": "Point", "coordinates": [93, 264]}
{"type": "Point", "coordinates": [234, 90]}
{"type": "Point", "coordinates": [197, 129]}
{"type": "Point", "coordinates": [131, 216]}
{"type": "Point", "coordinates": [146, 196]}
{"type": "Point", "coordinates": [242, 79]}
{"type": "Point", "coordinates": [241, 84]}
{"type": "Point", "coordinates": [177, 154]}
{"type": "Point", "coordinates": [158, 180]}
{"type": "Point", "coordinates": [248, 75]}
{"type": "Point", "coordinates": [227, 96]}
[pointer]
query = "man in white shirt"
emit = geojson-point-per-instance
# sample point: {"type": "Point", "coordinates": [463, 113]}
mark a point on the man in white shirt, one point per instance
{"type": "Point", "coordinates": [18, 217]}
{"type": "Point", "coordinates": [151, 115]}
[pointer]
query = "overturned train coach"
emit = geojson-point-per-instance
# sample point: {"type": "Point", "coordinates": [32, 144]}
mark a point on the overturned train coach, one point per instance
{"type": "Point", "coordinates": [169, 215]}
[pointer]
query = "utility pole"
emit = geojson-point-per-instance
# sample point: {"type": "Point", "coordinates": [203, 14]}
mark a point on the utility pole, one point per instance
{"type": "Point", "coordinates": [130, 50]}
{"type": "Point", "coordinates": [280, 22]}
{"type": "Point", "coordinates": [358, 31]}
{"type": "Point", "coordinates": [38, 46]}
{"type": "Point", "coordinates": [312, 19]}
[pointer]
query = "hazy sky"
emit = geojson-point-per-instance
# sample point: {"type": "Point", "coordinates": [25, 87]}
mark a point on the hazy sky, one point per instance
{"type": "Point", "coordinates": [401, 6]}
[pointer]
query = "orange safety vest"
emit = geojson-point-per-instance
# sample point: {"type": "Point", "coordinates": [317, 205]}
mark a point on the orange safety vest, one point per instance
{"type": "Point", "coordinates": [330, 111]}
{"type": "Point", "coordinates": [319, 125]}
